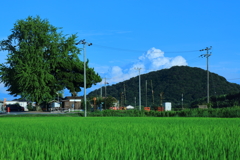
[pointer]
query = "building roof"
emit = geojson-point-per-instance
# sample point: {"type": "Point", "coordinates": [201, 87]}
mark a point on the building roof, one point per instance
{"type": "Point", "coordinates": [20, 100]}
{"type": "Point", "coordinates": [71, 97]}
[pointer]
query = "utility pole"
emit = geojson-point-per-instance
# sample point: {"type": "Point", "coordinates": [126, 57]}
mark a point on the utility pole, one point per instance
{"type": "Point", "coordinates": [139, 88]}
{"type": "Point", "coordinates": [85, 81]}
{"type": "Point", "coordinates": [207, 55]}
{"type": "Point", "coordinates": [124, 95]}
{"type": "Point", "coordinates": [122, 99]}
{"type": "Point", "coordinates": [152, 92]}
{"type": "Point", "coordinates": [161, 98]}
{"type": "Point", "coordinates": [105, 91]}
{"type": "Point", "coordinates": [101, 90]}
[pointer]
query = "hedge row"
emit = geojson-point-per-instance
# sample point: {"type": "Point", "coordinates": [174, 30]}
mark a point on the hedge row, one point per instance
{"type": "Point", "coordinates": [229, 112]}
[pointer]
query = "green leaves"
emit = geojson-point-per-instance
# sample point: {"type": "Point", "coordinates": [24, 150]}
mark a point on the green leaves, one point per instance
{"type": "Point", "coordinates": [42, 61]}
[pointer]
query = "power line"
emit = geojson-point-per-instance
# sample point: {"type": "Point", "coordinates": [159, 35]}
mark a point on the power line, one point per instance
{"type": "Point", "coordinates": [130, 50]}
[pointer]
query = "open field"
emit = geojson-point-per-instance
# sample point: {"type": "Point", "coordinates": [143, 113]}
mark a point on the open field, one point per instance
{"type": "Point", "coordinates": [119, 138]}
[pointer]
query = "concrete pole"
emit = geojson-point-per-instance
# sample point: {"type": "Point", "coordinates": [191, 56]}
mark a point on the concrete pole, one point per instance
{"type": "Point", "coordinates": [207, 55]}
{"type": "Point", "coordinates": [85, 99]}
{"type": "Point", "coordinates": [105, 93]}
{"type": "Point", "coordinates": [101, 90]}
{"type": "Point", "coordinates": [139, 87]}
{"type": "Point", "coordinates": [85, 81]}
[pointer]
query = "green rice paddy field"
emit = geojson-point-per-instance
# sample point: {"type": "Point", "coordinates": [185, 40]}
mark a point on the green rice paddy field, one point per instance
{"type": "Point", "coordinates": [119, 138]}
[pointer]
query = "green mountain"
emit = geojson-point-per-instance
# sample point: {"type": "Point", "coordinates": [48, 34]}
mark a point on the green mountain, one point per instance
{"type": "Point", "coordinates": [173, 82]}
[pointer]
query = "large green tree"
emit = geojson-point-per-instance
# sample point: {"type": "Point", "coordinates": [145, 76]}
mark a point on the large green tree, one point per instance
{"type": "Point", "coordinates": [41, 61]}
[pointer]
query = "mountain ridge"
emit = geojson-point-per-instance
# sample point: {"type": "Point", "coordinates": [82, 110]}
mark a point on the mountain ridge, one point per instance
{"type": "Point", "coordinates": [172, 82]}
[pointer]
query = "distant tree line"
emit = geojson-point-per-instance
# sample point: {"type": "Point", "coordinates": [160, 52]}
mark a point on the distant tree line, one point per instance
{"type": "Point", "coordinates": [228, 100]}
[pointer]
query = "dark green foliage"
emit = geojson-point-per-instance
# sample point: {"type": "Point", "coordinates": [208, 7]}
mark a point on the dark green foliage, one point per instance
{"type": "Point", "coordinates": [117, 113]}
{"type": "Point", "coordinates": [228, 100]}
{"type": "Point", "coordinates": [109, 101]}
{"type": "Point", "coordinates": [42, 61]}
{"type": "Point", "coordinates": [88, 104]}
{"type": "Point", "coordinates": [41, 115]}
{"type": "Point", "coordinates": [173, 82]}
{"type": "Point", "coordinates": [30, 107]}
{"type": "Point", "coordinates": [230, 112]}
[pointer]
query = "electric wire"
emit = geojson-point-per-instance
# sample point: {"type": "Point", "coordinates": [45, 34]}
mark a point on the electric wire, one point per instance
{"type": "Point", "coordinates": [130, 50]}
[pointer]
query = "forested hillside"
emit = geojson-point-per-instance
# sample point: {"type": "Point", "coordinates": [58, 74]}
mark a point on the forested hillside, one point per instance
{"type": "Point", "coordinates": [173, 82]}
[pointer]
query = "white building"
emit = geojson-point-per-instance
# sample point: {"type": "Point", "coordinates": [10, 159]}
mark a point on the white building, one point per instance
{"type": "Point", "coordinates": [22, 103]}
{"type": "Point", "coordinates": [167, 106]}
{"type": "Point", "coordinates": [129, 107]}
{"type": "Point", "coordinates": [55, 104]}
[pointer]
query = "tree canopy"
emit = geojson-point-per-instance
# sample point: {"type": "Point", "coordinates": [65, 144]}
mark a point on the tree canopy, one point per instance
{"type": "Point", "coordinates": [41, 61]}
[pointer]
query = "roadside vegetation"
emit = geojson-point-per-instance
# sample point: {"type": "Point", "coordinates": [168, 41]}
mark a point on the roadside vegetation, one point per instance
{"type": "Point", "coordinates": [230, 112]}
{"type": "Point", "coordinates": [220, 112]}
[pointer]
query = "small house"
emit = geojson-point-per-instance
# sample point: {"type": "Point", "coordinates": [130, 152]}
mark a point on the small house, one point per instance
{"type": "Point", "coordinates": [202, 106]}
{"type": "Point", "coordinates": [22, 103]}
{"type": "Point", "coordinates": [72, 102]}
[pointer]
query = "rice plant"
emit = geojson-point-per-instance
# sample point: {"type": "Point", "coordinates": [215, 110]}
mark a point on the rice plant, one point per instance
{"type": "Point", "coordinates": [118, 138]}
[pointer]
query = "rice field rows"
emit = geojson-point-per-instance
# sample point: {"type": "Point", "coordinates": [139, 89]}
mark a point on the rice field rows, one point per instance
{"type": "Point", "coordinates": [111, 138]}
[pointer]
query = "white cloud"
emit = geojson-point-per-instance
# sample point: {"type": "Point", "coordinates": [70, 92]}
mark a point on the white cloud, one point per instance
{"type": "Point", "coordinates": [154, 53]}
{"type": "Point", "coordinates": [116, 71]}
{"type": "Point", "coordinates": [178, 61]}
{"type": "Point", "coordinates": [153, 59]}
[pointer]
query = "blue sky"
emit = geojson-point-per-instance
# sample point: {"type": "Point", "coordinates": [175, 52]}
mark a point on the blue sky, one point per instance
{"type": "Point", "coordinates": [137, 33]}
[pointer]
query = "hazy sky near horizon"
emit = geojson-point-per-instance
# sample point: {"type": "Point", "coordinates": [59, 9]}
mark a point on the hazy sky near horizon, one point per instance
{"type": "Point", "coordinates": [149, 34]}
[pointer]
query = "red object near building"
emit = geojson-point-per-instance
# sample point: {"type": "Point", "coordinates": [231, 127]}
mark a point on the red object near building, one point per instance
{"type": "Point", "coordinates": [8, 109]}
{"type": "Point", "coordinates": [160, 109]}
{"type": "Point", "coordinates": [147, 108]}
{"type": "Point", "coordinates": [113, 108]}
